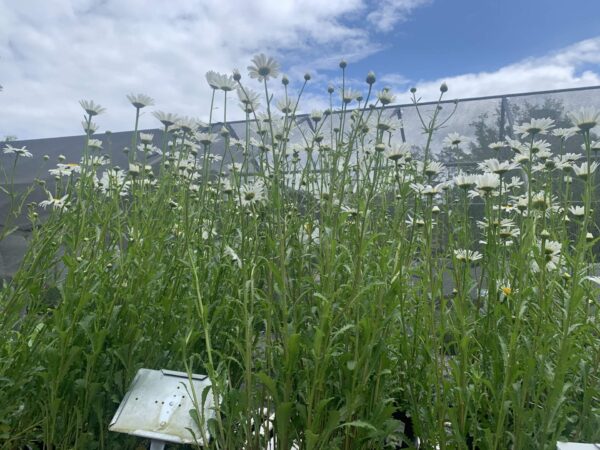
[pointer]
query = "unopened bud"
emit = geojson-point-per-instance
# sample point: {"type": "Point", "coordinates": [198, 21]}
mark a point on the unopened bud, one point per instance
{"type": "Point", "coordinates": [371, 78]}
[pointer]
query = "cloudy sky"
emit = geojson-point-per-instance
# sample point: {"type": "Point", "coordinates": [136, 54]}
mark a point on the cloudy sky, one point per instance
{"type": "Point", "coordinates": [56, 52]}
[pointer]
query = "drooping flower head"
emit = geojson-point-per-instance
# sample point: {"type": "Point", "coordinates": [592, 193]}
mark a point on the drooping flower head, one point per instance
{"type": "Point", "coordinates": [263, 68]}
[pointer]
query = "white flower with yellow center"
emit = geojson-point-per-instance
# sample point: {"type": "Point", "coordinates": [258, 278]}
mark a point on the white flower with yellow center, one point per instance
{"type": "Point", "coordinates": [140, 101]}
{"type": "Point", "coordinates": [9, 149]}
{"type": "Point", "coordinates": [91, 108]}
{"type": "Point", "coordinates": [535, 126]}
{"type": "Point", "coordinates": [56, 203]}
{"type": "Point", "coordinates": [585, 118]}
{"type": "Point", "coordinates": [252, 194]}
{"type": "Point", "coordinates": [584, 170]}
{"type": "Point", "coordinates": [487, 182]}
{"type": "Point", "coordinates": [455, 140]}
{"type": "Point", "coordinates": [263, 68]}
{"type": "Point", "coordinates": [465, 255]}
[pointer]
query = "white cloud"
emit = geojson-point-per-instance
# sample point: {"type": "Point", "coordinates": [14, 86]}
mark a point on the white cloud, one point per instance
{"type": "Point", "coordinates": [55, 53]}
{"type": "Point", "coordinates": [566, 68]}
{"type": "Point", "coordinates": [389, 12]}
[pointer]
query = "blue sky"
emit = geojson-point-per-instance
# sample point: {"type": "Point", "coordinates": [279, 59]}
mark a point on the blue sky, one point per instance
{"type": "Point", "coordinates": [53, 54]}
{"type": "Point", "coordinates": [451, 37]}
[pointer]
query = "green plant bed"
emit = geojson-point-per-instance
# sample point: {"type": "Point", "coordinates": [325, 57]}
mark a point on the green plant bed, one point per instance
{"type": "Point", "coordinates": [321, 269]}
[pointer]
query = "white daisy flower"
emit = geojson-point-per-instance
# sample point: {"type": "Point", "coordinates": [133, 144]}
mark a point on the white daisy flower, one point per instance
{"type": "Point", "coordinates": [89, 127]}
{"type": "Point", "coordinates": [397, 152]}
{"type": "Point", "coordinates": [487, 182]}
{"type": "Point", "coordinates": [10, 150]}
{"type": "Point", "coordinates": [207, 138]}
{"type": "Point", "coordinates": [167, 119]}
{"type": "Point", "coordinates": [146, 138]}
{"type": "Point", "coordinates": [497, 145]}
{"type": "Point", "coordinates": [349, 95]}
{"type": "Point", "coordinates": [233, 256]}
{"type": "Point", "coordinates": [564, 133]}
{"type": "Point", "coordinates": [465, 255]}
{"type": "Point", "coordinates": [286, 106]}
{"type": "Point", "coordinates": [583, 170]}
{"type": "Point", "coordinates": [263, 68]}
{"type": "Point", "coordinates": [495, 166]}
{"type": "Point", "coordinates": [585, 118]}
{"type": "Point", "coordinates": [577, 211]}
{"type": "Point", "coordinates": [535, 126]}
{"type": "Point", "coordinates": [515, 182]}
{"type": "Point", "coordinates": [249, 99]}
{"type": "Point", "coordinates": [220, 81]}
{"type": "Point", "coordinates": [433, 168]}
{"type": "Point", "coordinates": [56, 203]}
{"type": "Point", "coordinates": [65, 170]}
{"type": "Point", "coordinates": [95, 144]}
{"type": "Point", "coordinates": [454, 140]}
{"type": "Point", "coordinates": [465, 181]}
{"type": "Point", "coordinates": [140, 101]}
{"type": "Point", "coordinates": [252, 194]}
{"type": "Point", "coordinates": [91, 108]}
{"type": "Point", "coordinates": [386, 96]}
{"type": "Point", "coordinates": [316, 115]}
{"type": "Point", "coordinates": [113, 180]}
{"type": "Point", "coordinates": [515, 145]}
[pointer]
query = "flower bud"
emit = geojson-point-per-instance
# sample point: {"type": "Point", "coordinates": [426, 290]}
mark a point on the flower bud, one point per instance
{"type": "Point", "coordinates": [307, 76]}
{"type": "Point", "coordinates": [343, 64]}
{"type": "Point", "coordinates": [444, 87]}
{"type": "Point", "coordinates": [330, 89]}
{"type": "Point", "coordinates": [370, 78]}
{"type": "Point", "coordinates": [413, 90]}
{"type": "Point", "coordinates": [285, 80]}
